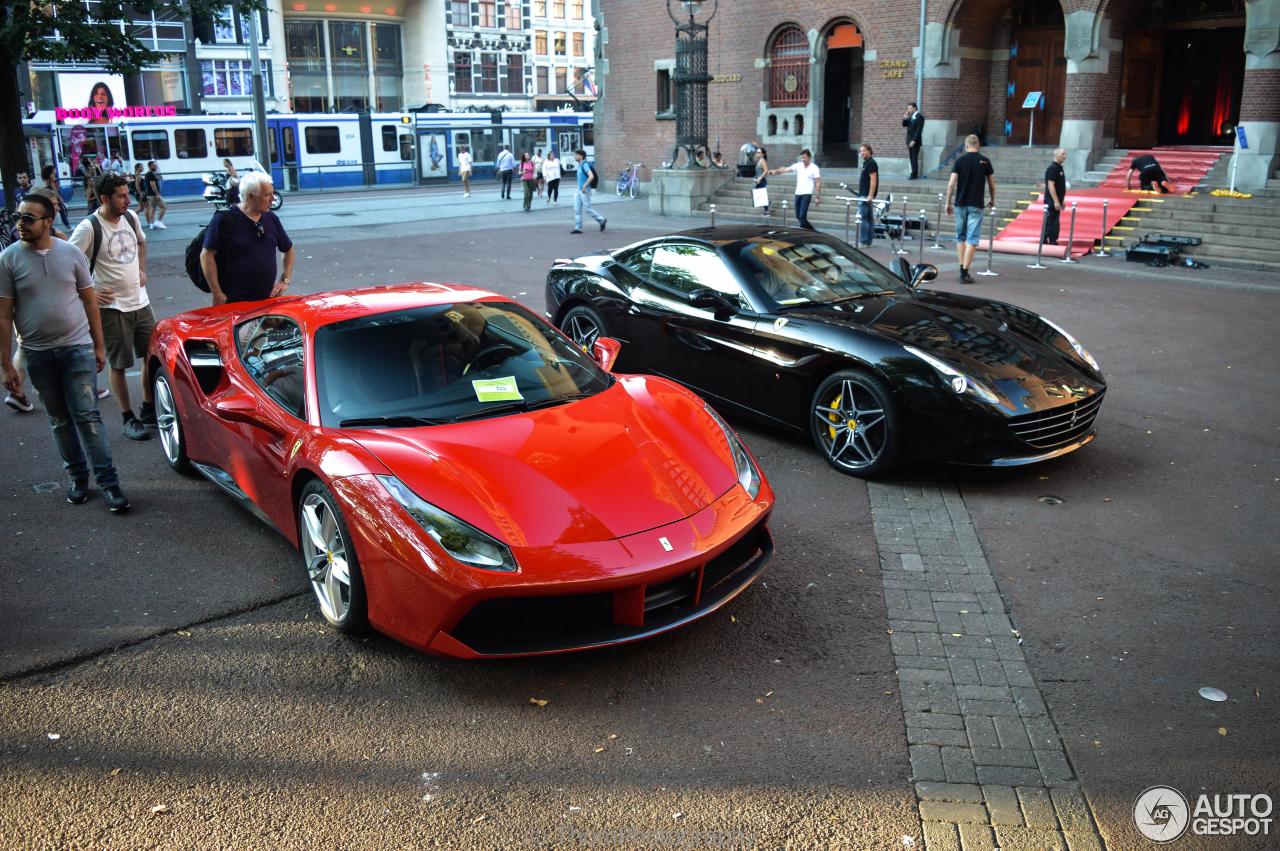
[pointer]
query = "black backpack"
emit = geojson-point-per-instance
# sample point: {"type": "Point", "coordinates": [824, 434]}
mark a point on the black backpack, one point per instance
{"type": "Point", "coordinates": [593, 180]}
{"type": "Point", "coordinates": [97, 235]}
{"type": "Point", "coordinates": [194, 247]}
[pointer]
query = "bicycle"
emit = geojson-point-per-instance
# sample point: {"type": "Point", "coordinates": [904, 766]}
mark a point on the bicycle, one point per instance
{"type": "Point", "coordinates": [629, 179]}
{"type": "Point", "coordinates": [8, 228]}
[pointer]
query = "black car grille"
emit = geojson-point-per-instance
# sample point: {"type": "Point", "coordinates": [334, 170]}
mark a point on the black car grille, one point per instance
{"type": "Point", "coordinates": [1058, 426]}
{"type": "Point", "coordinates": [545, 624]}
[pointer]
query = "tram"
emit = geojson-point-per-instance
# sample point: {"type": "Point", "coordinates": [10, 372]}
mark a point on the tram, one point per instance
{"type": "Point", "coordinates": [311, 151]}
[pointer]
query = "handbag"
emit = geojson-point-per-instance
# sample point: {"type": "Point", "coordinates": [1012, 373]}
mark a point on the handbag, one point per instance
{"type": "Point", "coordinates": [760, 196]}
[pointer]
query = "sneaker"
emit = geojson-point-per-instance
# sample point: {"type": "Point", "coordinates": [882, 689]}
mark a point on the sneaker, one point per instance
{"type": "Point", "coordinates": [965, 277]}
{"type": "Point", "coordinates": [19, 402]}
{"type": "Point", "coordinates": [162, 226]}
{"type": "Point", "coordinates": [603, 222]}
{"type": "Point", "coordinates": [115, 499]}
{"type": "Point", "coordinates": [575, 230]}
{"type": "Point", "coordinates": [135, 430]}
{"type": "Point", "coordinates": [104, 392]}
{"type": "Point", "coordinates": [151, 226]}
{"type": "Point", "coordinates": [466, 194]}
{"type": "Point", "coordinates": [78, 493]}
{"type": "Point", "coordinates": [147, 414]}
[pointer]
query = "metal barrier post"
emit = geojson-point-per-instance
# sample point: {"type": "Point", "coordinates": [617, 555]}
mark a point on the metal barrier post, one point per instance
{"type": "Point", "coordinates": [937, 225]}
{"type": "Point", "coordinates": [1102, 238]}
{"type": "Point", "coordinates": [923, 223]}
{"type": "Point", "coordinates": [1071, 236]}
{"type": "Point", "coordinates": [857, 224]}
{"type": "Point", "coordinates": [1044, 224]}
{"type": "Point", "coordinates": [991, 241]}
{"type": "Point", "coordinates": [902, 235]}
{"type": "Point", "coordinates": [848, 205]}
{"type": "Point", "coordinates": [784, 212]}
{"type": "Point", "coordinates": [713, 215]}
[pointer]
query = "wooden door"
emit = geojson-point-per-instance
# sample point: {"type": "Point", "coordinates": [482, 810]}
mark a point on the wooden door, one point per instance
{"type": "Point", "coordinates": [1039, 65]}
{"type": "Point", "coordinates": [1138, 123]}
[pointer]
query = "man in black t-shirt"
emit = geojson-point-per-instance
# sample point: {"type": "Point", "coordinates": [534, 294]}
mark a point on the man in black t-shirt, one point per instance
{"type": "Point", "coordinates": [1055, 190]}
{"type": "Point", "coordinates": [868, 186]}
{"type": "Point", "coordinates": [970, 176]}
{"type": "Point", "coordinates": [1150, 174]}
{"type": "Point", "coordinates": [240, 245]}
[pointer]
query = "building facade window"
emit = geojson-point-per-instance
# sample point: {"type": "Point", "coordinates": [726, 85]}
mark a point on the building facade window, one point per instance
{"type": "Point", "coordinates": [232, 77]}
{"type": "Point", "coordinates": [359, 81]}
{"type": "Point", "coordinates": [488, 13]}
{"type": "Point", "coordinates": [575, 9]}
{"type": "Point", "coordinates": [577, 44]}
{"type": "Point", "coordinates": [557, 9]}
{"type": "Point", "coordinates": [349, 66]}
{"type": "Point", "coordinates": [515, 74]}
{"type": "Point", "coordinates": [539, 8]}
{"type": "Point", "coordinates": [515, 20]}
{"type": "Point", "coordinates": [560, 44]}
{"type": "Point", "coordinates": [789, 68]}
{"type": "Point", "coordinates": [665, 98]}
{"type": "Point", "coordinates": [540, 42]}
{"type": "Point", "coordinates": [388, 68]}
{"type": "Point", "coordinates": [543, 74]}
{"type": "Point", "coordinates": [460, 13]}
{"type": "Point", "coordinates": [230, 29]}
{"type": "Point", "coordinates": [562, 81]}
{"type": "Point", "coordinates": [488, 73]}
{"type": "Point", "coordinates": [462, 73]}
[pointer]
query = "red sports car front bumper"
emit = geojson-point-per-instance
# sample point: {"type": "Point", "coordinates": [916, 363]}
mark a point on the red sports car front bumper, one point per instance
{"type": "Point", "coordinates": [564, 597]}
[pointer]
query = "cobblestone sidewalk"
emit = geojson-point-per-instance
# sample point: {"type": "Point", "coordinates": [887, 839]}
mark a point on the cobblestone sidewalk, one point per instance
{"type": "Point", "coordinates": [988, 766]}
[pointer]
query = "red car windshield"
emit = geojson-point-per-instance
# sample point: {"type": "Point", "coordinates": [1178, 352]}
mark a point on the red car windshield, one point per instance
{"type": "Point", "coordinates": [446, 363]}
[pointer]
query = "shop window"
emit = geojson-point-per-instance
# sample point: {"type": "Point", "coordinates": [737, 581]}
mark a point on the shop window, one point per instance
{"type": "Point", "coordinates": [151, 144]}
{"type": "Point", "coordinates": [190, 144]}
{"type": "Point", "coordinates": [789, 68]}
{"type": "Point", "coordinates": [322, 140]}
{"type": "Point", "coordinates": [233, 141]}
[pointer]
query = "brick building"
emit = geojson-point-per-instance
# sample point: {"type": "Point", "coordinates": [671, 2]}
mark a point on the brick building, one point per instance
{"type": "Point", "coordinates": [829, 75]}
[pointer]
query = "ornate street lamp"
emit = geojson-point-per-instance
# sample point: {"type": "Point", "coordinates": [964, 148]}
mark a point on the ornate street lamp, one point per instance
{"type": "Point", "coordinates": [691, 77]}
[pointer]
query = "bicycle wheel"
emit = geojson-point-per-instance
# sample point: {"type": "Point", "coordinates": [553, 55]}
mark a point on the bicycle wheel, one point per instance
{"type": "Point", "coordinates": [622, 185]}
{"type": "Point", "coordinates": [634, 185]}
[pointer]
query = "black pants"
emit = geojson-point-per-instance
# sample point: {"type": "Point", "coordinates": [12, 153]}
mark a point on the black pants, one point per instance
{"type": "Point", "coordinates": [913, 151]}
{"type": "Point", "coordinates": [553, 190]}
{"type": "Point", "coordinates": [1051, 216]}
{"type": "Point", "coordinates": [505, 174]}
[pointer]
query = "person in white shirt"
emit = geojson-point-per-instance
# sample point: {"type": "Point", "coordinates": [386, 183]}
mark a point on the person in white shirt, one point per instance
{"type": "Point", "coordinates": [506, 166]}
{"type": "Point", "coordinates": [808, 186]}
{"type": "Point", "coordinates": [112, 238]}
{"type": "Point", "coordinates": [464, 171]}
{"type": "Point", "coordinates": [551, 176]}
{"type": "Point", "coordinates": [537, 170]}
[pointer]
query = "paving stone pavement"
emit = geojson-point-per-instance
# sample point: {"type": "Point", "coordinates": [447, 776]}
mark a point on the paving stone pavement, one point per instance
{"type": "Point", "coordinates": [988, 765]}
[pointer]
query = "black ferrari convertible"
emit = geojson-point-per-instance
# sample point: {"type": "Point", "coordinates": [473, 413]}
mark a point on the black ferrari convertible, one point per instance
{"type": "Point", "coordinates": [804, 331]}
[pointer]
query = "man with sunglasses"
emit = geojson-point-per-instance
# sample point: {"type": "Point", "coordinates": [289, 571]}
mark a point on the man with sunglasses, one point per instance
{"type": "Point", "coordinates": [240, 246]}
{"type": "Point", "coordinates": [45, 287]}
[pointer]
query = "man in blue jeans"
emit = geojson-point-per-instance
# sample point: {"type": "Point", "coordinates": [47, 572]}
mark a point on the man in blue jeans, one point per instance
{"type": "Point", "coordinates": [45, 288]}
{"type": "Point", "coordinates": [582, 201]}
{"type": "Point", "coordinates": [506, 166]}
{"type": "Point", "coordinates": [970, 177]}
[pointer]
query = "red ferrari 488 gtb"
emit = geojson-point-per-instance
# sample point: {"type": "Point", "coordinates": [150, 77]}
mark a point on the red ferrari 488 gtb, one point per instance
{"type": "Point", "coordinates": [460, 475]}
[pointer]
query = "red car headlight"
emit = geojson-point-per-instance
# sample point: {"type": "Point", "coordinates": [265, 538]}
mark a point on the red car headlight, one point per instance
{"type": "Point", "coordinates": [458, 538]}
{"type": "Point", "coordinates": [748, 475]}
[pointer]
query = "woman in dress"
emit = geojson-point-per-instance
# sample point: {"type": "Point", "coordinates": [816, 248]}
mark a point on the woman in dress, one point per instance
{"type": "Point", "coordinates": [528, 179]}
{"type": "Point", "coordinates": [761, 181]}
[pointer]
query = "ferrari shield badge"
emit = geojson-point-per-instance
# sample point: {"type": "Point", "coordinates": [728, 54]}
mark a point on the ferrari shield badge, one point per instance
{"type": "Point", "coordinates": [666, 545]}
{"type": "Point", "coordinates": [779, 323]}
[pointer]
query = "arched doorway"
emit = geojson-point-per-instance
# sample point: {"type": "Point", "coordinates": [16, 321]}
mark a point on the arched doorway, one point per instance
{"type": "Point", "coordinates": [1183, 73]}
{"type": "Point", "coordinates": [842, 83]}
{"type": "Point", "coordinates": [1036, 64]}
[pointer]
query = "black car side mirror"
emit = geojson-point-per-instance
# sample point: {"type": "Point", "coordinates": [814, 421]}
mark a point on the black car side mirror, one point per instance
{"type": "Point", "coordinates": [902, 269]}
{"type": "Point", "coordinates": [920, 273]}
{"type": "Point", "coordinates": [709, 299]}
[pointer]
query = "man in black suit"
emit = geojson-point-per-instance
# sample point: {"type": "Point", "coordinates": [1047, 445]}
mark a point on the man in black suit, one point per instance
{"type": "Point", "coordinates": [914, 122]}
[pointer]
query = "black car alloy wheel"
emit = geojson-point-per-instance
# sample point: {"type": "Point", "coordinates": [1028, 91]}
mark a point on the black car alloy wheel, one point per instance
{"type": "Point", "coordinates": [583, 325]}
{"type": "Point", "coordinates": [854, 423]}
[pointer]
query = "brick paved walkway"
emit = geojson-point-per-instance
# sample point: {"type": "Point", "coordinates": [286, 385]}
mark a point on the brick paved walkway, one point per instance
{"type": "Point", "coordinates": [988, 766]}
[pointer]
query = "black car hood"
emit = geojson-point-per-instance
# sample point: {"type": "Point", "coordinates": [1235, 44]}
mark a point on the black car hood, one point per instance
{"type": "Point", "coordinates": [994, 342]}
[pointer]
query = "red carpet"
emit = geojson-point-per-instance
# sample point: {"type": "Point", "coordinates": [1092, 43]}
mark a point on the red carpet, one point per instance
{"type": "Point", "coordinates": [1184, 166]}
{"type": "Point", "coordinates": [1022, 234]}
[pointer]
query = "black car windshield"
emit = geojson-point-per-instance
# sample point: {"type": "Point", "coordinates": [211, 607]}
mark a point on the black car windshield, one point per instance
{"type": "Point", "coordinates": [446, 363]}
{"type": "Point", "coordinates": [812, 270]}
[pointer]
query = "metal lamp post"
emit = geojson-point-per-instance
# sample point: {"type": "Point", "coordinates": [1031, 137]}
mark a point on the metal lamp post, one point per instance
{"type": "Point", "coordinates": [691, 77]}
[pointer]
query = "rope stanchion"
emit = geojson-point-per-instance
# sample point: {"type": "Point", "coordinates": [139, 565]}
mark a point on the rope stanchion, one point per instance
{"type": "Point", "coordinates": [1071, 236]}
{"type": "Point", "coordinates": [902, 234]}
{"type": "Point", "coordinates": [784, 212]}
{"type": "Point", "coordinates": [848, 210]}
{"type": "Point", "coordinates": [991, 241]}
{"type": "Point", "coordinates": [924, 223]}
{"type": "Point", "coordinates": [937, 225]}
{"type": "Point", "coordinates": [713, 215]}
{"type": "Point", "coordinates": [1044, 228]}
{"type": "Point", "coordinates": [857, 224]}
{"type": "Point", "coordinates": [1102, 238]}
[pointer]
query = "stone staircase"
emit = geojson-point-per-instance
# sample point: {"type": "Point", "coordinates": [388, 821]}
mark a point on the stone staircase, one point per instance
{"type": "Point", "coordinates": [1236, 232]}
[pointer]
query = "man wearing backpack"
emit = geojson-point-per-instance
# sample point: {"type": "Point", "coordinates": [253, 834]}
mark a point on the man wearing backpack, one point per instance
{"type": "Point", "coordinates": [111, 237]}
{"type": "Point", "coordinates": [587, 180]}
{"type": "Point", "coordinates": [238, 257]}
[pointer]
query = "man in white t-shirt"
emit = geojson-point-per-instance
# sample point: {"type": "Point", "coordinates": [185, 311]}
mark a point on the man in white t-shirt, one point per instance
{"type": "Point", "coordinates": [808, 186]}
{"type": "Point", "coordinates": [112, 238]}
{"type": "Point", "coordinates": [464, 171]}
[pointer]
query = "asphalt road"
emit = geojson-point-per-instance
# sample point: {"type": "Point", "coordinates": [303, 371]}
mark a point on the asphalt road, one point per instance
{"type": "Point", "coordinates": [177, 655]}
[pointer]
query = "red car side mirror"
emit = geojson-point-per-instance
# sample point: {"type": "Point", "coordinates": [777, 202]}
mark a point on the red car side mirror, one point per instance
{"type": "Point", "coordinates": [243, 408]}
{"type": "Point", "coordinates": [604, 351]}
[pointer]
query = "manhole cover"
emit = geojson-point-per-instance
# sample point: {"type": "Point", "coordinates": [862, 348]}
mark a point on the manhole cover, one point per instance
{"type": "Point", "coordinates": [1051, 500]}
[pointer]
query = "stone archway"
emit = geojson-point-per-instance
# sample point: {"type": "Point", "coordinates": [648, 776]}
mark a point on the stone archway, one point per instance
{"type": "Point", "coordinates": [839, 58]}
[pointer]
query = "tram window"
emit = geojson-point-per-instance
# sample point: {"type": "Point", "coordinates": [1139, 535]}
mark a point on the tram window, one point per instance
{"type": "Point", "coordinates": [322, 140]}
{"type": "Point", "coordinates": [151, 144]}
{"type": "Point", "coordinates": [190, 144]}
{"type": "Point", "coordinates": [406, 146]}
{"type": "Point", "coordinates": [588, 135]}
{"type": "Point", "coordinates": [389, 141]}
{"type": "Point", "coordinates": [124, 147]}
{"type": "Point", "coordinates": [233, 141]}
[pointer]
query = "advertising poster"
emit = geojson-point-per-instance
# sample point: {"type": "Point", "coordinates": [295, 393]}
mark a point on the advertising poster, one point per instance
{"type": "Point", "coordinates": [96, 92]}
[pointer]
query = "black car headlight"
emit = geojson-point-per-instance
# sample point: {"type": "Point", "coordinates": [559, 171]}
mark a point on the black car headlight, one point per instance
{"type": "Point", "coordinates": [459, 538]}
{"type": "Point", "coordinates": [959, 382]}
{"type": "Point", "coordinates": [748, 475]}
{"type": "Point", "coordinates": [1075, 345]}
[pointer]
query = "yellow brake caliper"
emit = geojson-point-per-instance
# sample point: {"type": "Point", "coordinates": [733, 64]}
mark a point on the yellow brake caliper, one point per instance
{"type": "Point", "coordinates": [833, 417]}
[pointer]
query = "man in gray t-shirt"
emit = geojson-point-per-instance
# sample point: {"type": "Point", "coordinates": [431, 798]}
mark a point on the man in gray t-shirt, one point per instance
{"type": "Point", "coordinates": [46, 289]}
